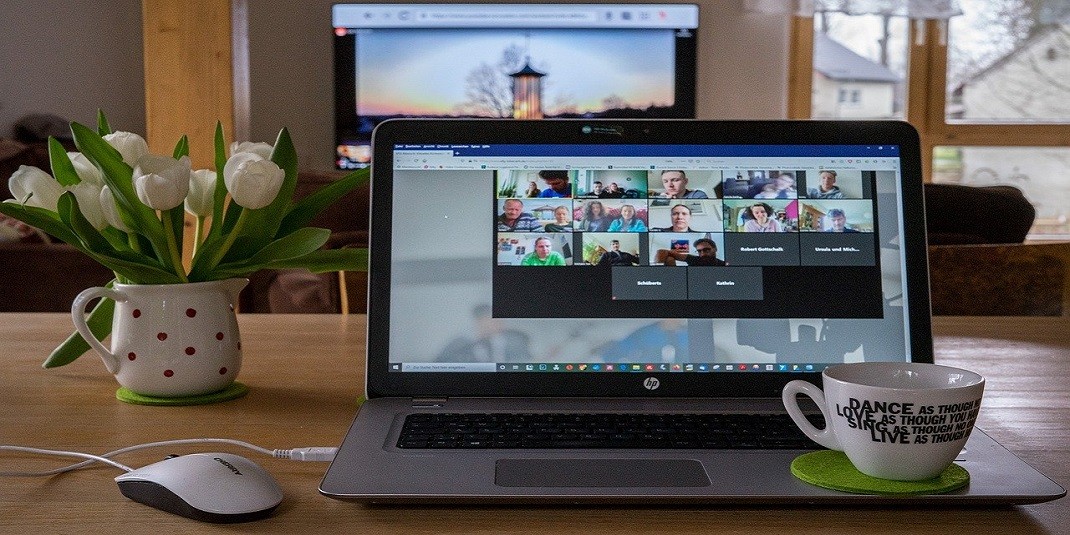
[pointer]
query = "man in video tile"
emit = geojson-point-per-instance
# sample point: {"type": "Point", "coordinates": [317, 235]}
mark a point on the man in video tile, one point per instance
{"type": "Point", "coordinates": [828, 188]}
{"type": "Point", "coordinates": [559, 183]}
{"type": "Point", "coordinates": [675, 183]}
{"type": "Point", "coordinates": [544, 254]}
{"type": "Point", "coordinates": [707, 255]}
{"type": "Point", "coordinates": [616, 257]}
{"type": "Point", "coordinates": [838, 221]}
{"type": "Point", "coordinates": [515, 219]}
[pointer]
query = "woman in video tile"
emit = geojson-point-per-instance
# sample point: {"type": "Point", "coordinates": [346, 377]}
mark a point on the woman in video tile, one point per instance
{"type": "Point", "coordinates": [562, 222]}
{"type": "Point", "coordinates": [595, 218]}
{"type": "Point", "coordinates": [761, 219]}
{"type": "Point", "coordinates": [627, 222]}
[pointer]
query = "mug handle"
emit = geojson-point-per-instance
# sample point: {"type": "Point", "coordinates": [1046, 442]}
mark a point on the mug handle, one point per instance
{"type": "Point", "coordinates": [826, 437]}
{"type": "Point", "coordinates": [78, 315]}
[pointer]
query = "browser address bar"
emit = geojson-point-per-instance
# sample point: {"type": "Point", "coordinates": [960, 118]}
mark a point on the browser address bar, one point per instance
{"type": "Point", "coordinates": [503, 17]}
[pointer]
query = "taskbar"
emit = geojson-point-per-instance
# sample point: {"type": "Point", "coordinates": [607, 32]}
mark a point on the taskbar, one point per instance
{"type": "Point", "coordinates": [603, 367]}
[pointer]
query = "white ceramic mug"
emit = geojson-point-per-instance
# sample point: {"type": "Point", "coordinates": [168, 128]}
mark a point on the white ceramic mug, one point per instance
{"type": "Point", "coordinates": [893, 420]}
{"type": "Point", "coordinates": [169, 340]}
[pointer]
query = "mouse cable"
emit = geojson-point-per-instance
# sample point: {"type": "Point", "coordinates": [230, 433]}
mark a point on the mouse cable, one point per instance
{"type": "Point", "coordinates": [296, 454]}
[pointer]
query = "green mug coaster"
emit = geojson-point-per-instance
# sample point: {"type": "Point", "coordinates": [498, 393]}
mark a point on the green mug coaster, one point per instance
{"type": "Point", "coordinates": [832, 470]}
{"type": "Point", "coordinates": [234, 391]}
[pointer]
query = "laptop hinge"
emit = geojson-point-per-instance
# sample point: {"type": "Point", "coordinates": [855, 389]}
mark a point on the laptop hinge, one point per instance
{"type": "Point", "coordinates": [428, 402]}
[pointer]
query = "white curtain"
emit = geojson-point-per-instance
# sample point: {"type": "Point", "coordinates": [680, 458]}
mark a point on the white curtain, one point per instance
{"type": "Point", "coordinates": [913, 9]}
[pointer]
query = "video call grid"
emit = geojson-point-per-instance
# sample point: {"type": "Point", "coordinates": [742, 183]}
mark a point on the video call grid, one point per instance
{"type": "Point", "coordinates": [672, 209]}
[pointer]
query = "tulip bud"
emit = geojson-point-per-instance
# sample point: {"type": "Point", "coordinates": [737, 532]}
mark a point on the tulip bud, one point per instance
{"type": "Point", "coordinates": [87, 172]}
{"type": "Point", "coordinates": [88, 195]}
{"type": "Point", "coordinates": [110, 210]}
{"type": "Point", "coordinates": [201, 197]}
{"type": "Point", "coordinates": [262, 149]}
{"type": "Point", "coordinates": [131, 146]}
{"type": "Point", "coordinates": [162, 182]}
{"type": "Point", "coordinates": [33, 187]}
{"type": "Point", "coordinates": [252, 181]}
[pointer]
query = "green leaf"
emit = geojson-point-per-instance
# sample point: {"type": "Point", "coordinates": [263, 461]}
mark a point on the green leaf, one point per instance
{"type": "Point", "coordinates": [220, 195]}
{"type": "Point", "coordinates": [119, 178]}
{"type": "Point", "coordinates": [42, 218]}
{"type": "Point", "coordinates": [62, 167]}
{"type": "Point", "coordinates": [182, 148]}
{"type": "Point", "coordinates": [306, 209]}
{"type": "Point", "coordinates": [135, 267]}
{"type": "Point", "coordinates": [298, 243]}
{"type": "Point", "coordinates": [99, 322]}
{"type": "Point", "coordinates": [103, 128]}
{"type": "Point", "coordinates": [263, 224]}
{"type": "Point", "coordinates": [319, 261]}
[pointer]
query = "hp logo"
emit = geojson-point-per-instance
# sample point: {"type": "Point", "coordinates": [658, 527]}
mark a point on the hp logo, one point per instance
{"type": "Point", "coordinates": [651, 383]}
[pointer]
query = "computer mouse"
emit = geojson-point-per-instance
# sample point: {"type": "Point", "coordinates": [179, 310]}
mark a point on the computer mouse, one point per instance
{"type": "Point", "coordinates": [212, 487]}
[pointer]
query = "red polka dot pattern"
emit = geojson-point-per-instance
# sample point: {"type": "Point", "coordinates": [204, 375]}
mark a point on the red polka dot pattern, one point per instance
{"type": "Point", "coordinates": [161, 336]}
{"type": "Point", "coordinates": [137, 313]}
{"type": "Point", "coordinates": [168, 373]}
{"type": "Point", "coordinates": [191, 312]}
{"type": "Point", "coordinates": [190, 351]}
{"type": "Point", "coordinates": [219, 336]}
{"type": "Point", "coordinates": [131, 355]}
{"type": "Point", "coordinates": [223, 371]}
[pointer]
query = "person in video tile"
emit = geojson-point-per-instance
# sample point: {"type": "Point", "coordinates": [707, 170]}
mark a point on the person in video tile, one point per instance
{"type": "Point", "coordinates": [782, 187]}
{"type": "Point", "coordinates": [828, 188]}
{"type": "Point", "coordinates": [544, 254]}
{"type": "Point", "coordinates": [515, 219]}
{"type": "Point", "coordinates": [675, 183]}
{"type": "Point", "coordinates": [612, 192]}
{"type": "Point", "coordinates": [616, 257]}
{"type": "Point", "coordinates": [627, 222]}
{"type": "Point", "coordinates": [761, 219]}
{"type": "Point", "coordinates": [707, 255]}
{"type": "Point", "coordinates": [533, 190]}
{"type": "Point", "coordinates": [595, 218]}
{"type": "Point", "coordinates": [681, 219]}
{"type": "Point", "coordinates": [838, 221]}
{"type": "Point", "coordinates": [560, 186]}
{"type": "Point", "coordinates": [562, 220]}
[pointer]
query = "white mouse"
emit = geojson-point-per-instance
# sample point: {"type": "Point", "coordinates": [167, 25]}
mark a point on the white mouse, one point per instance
{"type": "Point", "coordinates": [213, 487]}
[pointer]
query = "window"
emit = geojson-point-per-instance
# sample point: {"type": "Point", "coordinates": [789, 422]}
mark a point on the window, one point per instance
{"type": "Point", "coordinates": [989, 91]}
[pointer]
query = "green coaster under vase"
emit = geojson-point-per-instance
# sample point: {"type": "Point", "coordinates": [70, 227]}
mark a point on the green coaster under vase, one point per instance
{"type": "Point", "coordinates": [833, 470]}
{"type": "Point", "coordinates": [234, 391]}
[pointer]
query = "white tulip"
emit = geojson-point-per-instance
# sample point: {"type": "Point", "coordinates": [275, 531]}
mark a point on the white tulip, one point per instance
{"type": "Point", "coordinates": [111, 210]}
{"type": "Point", "coordinates": [260, 148]}
{"type": "Point", "coordinates": [253, 182]}
{"type": "Point", "coordinates": [33, 187]}
{"type": "Point", "coordinates": [130, 145]}
{"type": "Point", "coordinates": [87, 172]}
{"type": "Point", "coordinates": [161, 182]}
{"type": "Point", "coordinates": [201, 198]}
{"type": "Point", "coordinates": [88, 195]}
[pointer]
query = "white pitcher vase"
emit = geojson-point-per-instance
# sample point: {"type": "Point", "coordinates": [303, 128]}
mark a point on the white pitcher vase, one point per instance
{"type": "Point", "coordinates": [169, 340]}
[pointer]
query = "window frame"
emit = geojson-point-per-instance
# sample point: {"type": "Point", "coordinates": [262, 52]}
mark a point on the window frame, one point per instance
{"type": "Point", "coordinates": [925, 96]}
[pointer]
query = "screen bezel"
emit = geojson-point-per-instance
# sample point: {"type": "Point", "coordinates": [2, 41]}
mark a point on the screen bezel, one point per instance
{"type": "Point", "coordinates": [381, 382]}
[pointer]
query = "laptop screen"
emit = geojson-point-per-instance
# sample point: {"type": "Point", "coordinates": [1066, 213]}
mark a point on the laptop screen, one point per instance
{"type": "Point", "coordinates": [634, 258]}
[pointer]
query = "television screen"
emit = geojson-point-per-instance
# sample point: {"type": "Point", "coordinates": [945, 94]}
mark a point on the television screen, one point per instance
{"type": "Point", "coordinates": [526, 61]}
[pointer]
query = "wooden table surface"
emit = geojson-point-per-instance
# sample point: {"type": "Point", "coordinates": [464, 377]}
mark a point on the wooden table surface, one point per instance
{"type": "Point", "coordinates": [305, 373]}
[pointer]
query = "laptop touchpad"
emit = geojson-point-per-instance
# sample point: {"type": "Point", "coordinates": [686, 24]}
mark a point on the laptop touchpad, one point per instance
{"type": "Point", "coordinates": [600, 473]}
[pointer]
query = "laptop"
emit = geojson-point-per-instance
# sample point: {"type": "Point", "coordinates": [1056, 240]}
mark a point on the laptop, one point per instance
{"type": "Point", "coordinates": [555, 305]}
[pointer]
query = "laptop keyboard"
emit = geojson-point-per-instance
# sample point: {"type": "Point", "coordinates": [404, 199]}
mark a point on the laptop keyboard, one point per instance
{"type": "Point", "coordinates": [603, 430]}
